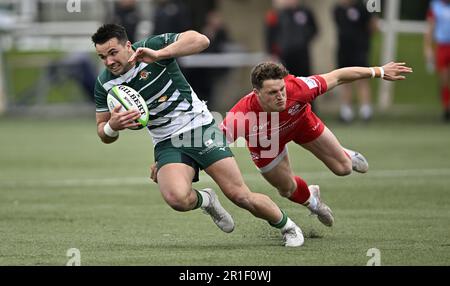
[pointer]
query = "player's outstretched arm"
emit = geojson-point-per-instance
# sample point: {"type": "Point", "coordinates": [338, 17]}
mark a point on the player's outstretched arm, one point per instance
{"type": "Point", "coordinates": [188, 43]}
{"type": "Point", "coordinates": [391, 71]}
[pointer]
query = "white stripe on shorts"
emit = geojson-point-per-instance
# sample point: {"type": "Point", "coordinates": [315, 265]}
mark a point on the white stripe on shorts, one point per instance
{"type": "Point", "coordinates": [274, 162]}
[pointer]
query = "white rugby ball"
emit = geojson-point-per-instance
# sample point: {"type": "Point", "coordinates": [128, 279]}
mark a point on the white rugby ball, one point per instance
{"type": "Point", "coordinates": [129, 99]}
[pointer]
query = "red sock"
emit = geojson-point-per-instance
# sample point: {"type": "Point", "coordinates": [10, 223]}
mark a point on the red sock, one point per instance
{"type": "Point", "coordinates": [445, 96]}
{"type": "Point", "coordinates": [301, 194]}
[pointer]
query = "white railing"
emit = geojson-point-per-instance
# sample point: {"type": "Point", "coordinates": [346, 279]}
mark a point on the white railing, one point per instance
{"type": "Point", "coordinates": [391, 26]}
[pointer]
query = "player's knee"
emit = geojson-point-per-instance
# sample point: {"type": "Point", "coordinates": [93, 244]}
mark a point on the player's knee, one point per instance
{"type": "Point", "coordinates": [285, 193]}
{"type": "Point", "coordinates": [237, 192]}
{"type": "Point", "coordinates": [286, 188]}
{"type": "Point", "coordinates": [179, 201]}
{"type": "Point", "coordinates": [343, 168]}
{"type": "Point", "coordinates": [445, 81]}
{"type": "Point", "coordinates": [241, 197]}
{"type": "Point", "coordinates": [181, 205]}
{"type": "Point", "coordinates": [241, 200]}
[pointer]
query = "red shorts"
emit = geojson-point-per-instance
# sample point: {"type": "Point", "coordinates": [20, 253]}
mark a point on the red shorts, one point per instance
{"type": "Point", "coordinates": [442, 56]}
{"type": "Point", "coordinates": [308, 128]}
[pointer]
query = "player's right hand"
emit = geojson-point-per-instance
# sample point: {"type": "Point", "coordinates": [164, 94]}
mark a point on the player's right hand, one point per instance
{"type": "Point", "coordinates": [395, 71]}
{"type": "Point", "coordinates": [145, 55]}
{"type": "Point", "coordinates": [125, 119]}
{"type": "Point", "coordinates": [154, 172]}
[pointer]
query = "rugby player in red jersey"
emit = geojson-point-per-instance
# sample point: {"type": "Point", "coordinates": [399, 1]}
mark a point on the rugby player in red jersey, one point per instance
{"type": "Point", "coordinates": [278, 111]}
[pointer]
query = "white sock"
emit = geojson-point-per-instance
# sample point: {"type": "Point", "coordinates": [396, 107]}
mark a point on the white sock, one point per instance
{"type": "Point", "coordinates": [289, 224]}
{"type": "Point", "coordinates": [206, 199]}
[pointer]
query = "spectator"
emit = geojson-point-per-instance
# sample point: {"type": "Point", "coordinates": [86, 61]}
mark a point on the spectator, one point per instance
{"type": "Point", "coordinates": [216, 31]}
{"type": "Point", "coordinates": [355, 25]}
{"type": "Point", "coordinates": [438, 33]}
{"type": "Point", "coordinates": [290, 28]}
{"type": "Point", "coordinates": [203, 80]}
{"type": "Point", "coordinates": [171, 16]}
{"type": "Point", "coordinates": [126, 14]}
{"type": "Point", "coordinates": [77, 66]}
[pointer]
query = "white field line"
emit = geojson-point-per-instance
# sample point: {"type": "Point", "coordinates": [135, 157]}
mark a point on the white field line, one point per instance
{"type": "Point", "coordinates": [248, 177]}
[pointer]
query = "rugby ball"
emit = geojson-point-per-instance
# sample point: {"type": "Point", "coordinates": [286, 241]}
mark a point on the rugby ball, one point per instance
{"type": "Point", "coordinates": [129, 99]}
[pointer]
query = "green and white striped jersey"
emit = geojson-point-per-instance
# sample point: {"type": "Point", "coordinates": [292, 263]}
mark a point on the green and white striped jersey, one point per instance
{"type": "Point", "coordinates": [173, 106]}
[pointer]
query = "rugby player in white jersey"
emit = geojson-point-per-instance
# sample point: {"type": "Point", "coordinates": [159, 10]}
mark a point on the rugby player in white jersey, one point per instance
{"type": "Point", "coordinates": [184, 134]}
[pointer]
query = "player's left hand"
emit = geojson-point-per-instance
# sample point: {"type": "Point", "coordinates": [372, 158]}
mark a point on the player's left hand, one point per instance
{"type": "Point", "coordinates": [394, 71]}
{"type": "Point", "coordinates": [154, 172]}
{"type": "Point", "coordinates": [145, 55]}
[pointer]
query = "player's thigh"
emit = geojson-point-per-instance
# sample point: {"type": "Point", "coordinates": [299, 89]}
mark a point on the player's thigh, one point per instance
{"type": "Point", "coordinates": [327, 148]}
{"type": "Point", "coordinates": [228, 177]}
{"type": "Point", "coordinates": [443, 64]}
{"type": "Point", "coordinates": [175, 181]}
{"type": "Point", "coordinates": [281, 175]}
{"type": "Point", "coordinates": [444, 76]}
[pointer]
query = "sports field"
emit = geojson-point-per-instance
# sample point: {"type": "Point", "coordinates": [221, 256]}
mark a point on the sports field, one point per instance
{"type": "Point", "coordinates": [60, 188]}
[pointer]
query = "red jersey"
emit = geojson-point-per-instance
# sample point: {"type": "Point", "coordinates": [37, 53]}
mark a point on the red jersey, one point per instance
{"type": "Point", "coordinates": [272, 131]}
{"type": "Point", "coordinates": [300, 91]}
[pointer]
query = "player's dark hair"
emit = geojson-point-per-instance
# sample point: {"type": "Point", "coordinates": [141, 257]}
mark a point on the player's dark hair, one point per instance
{"type": "Point", "coordinates": [265, 71]}
{"type": "Point", "coordinates": [110, 31]}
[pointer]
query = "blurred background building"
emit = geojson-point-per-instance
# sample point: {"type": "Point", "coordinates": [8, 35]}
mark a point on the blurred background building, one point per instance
{"type": "Point", "coordinates": [45, 44]}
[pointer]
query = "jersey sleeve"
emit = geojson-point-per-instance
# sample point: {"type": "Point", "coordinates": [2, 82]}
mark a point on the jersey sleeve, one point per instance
{"type": "Point", "coordinates": [100, 95]}
{"type": "Point", "coordinates": [306, 89]}
{"type": "Point", "coordinates": [159, 42]}
{"type": "Point", "coordinates": [234, 125]}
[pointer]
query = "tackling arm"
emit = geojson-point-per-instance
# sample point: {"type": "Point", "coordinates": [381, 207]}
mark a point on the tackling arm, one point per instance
{"type": "Point", "coordinates": [391, 72]}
